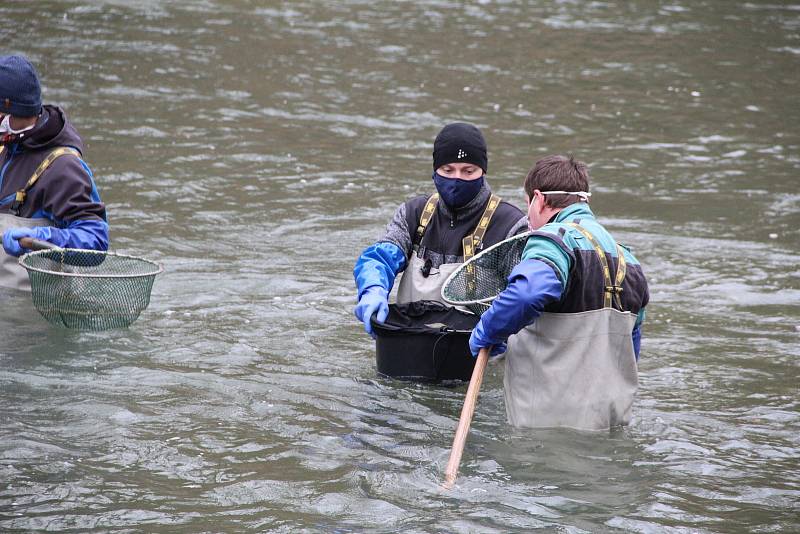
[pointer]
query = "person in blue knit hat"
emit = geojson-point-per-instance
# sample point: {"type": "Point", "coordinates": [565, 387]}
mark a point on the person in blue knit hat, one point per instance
{"type": "Point", "coordinates": [47, 190]}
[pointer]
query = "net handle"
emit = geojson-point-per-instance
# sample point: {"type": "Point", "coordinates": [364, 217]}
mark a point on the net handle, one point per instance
{"type": "Point", "coordinates": [464, 422]}
{"type": "Point", "coordinates": [36, 244]}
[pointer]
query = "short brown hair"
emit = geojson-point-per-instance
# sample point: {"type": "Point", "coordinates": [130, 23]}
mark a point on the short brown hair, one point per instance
{"type": "Point", "coordinates": [558, 173]}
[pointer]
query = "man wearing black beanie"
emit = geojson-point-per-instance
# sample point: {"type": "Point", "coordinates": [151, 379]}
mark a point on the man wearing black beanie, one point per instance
{"type": "Point", "coordinates": [431, 235]}
{"type": "Point", "coordinates": [46, 189]}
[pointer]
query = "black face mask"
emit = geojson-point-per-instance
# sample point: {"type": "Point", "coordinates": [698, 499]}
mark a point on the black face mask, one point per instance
{"type": "Point", "coordinates": [457, 192]}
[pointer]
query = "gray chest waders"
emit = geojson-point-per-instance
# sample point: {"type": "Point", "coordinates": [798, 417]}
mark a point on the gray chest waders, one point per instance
{"type": "Point", "coordinates": [575, 370]}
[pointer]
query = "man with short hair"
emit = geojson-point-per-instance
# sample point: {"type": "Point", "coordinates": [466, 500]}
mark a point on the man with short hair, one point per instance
{"type": "Point", "coordinates": [429, 236]}
{"type": "Point", "coordinates": [46, 189]}
{"type": "Point", "coordinates": [573, 310]}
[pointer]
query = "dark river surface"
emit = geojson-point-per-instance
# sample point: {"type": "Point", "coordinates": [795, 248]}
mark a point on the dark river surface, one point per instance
{"type": "Point", "coordinates": [254, 148]}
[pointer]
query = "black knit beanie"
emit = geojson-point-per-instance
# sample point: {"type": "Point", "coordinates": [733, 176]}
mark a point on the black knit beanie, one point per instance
{"type": "Point", "coordinates": [460, 142]}
{"type": "Point", "coordinates": [20, 93]}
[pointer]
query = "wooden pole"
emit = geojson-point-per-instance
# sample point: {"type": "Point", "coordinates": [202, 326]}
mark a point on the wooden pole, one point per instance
{"type": "Point", "coordinates": [465, 420]}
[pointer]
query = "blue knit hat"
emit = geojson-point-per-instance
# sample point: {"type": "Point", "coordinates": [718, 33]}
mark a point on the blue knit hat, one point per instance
{"type": "Point", "coordinates": [20, 93]}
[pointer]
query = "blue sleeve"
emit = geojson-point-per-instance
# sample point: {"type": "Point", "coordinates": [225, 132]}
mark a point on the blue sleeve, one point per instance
{"type": "Point", "coordinates": [87, 234]}
{"type": "Point", "coordinates": [546, 250]}
{"type": "Point", "coordinates": [378, 265]}
{"type": "Point", "coordinates": [533, 284]}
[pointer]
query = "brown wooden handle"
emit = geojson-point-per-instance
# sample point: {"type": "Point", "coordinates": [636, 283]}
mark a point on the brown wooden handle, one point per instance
{"type": "Point", "coordinates": [465, 420]}
{"type": "Point", "coordinates": [35, 244]}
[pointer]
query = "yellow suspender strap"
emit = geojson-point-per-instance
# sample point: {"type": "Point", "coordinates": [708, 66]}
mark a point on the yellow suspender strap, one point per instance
{"type": "Point", "coordinates": [471, 242]}
{"type": "Point", "coordinates": [425, 218]}
{"type": "Point", "coordinates": [609, 289]}
{"type": "Point", "coordinates": [46, 162]}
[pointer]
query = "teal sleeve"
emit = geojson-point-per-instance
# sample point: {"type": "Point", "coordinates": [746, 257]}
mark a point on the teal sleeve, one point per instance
{"type": "Point", "coordinates": [543, 249]}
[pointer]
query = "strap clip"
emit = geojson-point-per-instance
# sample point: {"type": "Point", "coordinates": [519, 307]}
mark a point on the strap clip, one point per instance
{"type": "Point", "coordinates": [19, 198]}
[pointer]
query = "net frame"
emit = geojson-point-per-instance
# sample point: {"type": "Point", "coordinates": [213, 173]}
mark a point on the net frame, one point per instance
{"type": "Point", "coordinates": [90, 290]}
{"type": "Point", "coordinates": [510, 249]}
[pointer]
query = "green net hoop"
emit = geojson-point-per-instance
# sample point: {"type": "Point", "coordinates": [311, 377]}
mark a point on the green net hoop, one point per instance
{"type": "Point", "coordinates": [476, 283]}
{"type": "Point", "coordinates": [87, 289]}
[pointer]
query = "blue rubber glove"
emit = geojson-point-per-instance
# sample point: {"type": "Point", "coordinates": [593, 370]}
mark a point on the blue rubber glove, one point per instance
{"type": "Point", "coordinates": [374, 300]}
{"type": "Point", "coordinates": [477, 341]}
{"type": "Point", "coordinates": [84, 234]}
{"type": "Point", "coordinates": [636, 336]}
{"type": "Point", "coordinates": [11, 239]}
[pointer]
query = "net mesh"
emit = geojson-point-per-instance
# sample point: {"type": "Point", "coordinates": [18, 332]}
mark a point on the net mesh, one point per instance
{"type": "Point", "coordinates": [89, 290]}
{"type": "Point", "coordinates": [476, 283]}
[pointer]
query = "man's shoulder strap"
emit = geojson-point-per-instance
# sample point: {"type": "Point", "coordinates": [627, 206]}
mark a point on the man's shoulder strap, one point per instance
{"type": "Point", "coordinates": [472, 242]}
{"type": "Point", "coordinates": [19, 199]}
{"type": "Point", "coordinates": [425, 218]}
{"type": "Point", "coordinates": [611, 289]}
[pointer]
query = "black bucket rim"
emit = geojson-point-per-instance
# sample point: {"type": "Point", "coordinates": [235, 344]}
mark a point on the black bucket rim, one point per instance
{"type": "Point", "coordinates": [426, 352]}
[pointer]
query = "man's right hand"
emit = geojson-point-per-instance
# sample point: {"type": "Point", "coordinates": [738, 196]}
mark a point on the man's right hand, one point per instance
{"type": "Point", "coordinates": [11, 239]}
{"type": "Point", "coordinates": [374, 300]}
{"type": "Point", "coordinates": [478, 341]}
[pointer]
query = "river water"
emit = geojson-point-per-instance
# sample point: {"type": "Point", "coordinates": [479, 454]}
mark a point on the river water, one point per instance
{"type": "Point", "coordinates": [254, 148]}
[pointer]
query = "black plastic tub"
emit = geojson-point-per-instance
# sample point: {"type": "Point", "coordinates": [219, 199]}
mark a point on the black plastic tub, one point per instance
{"type": "Point", "coordinates": [425, 341]}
